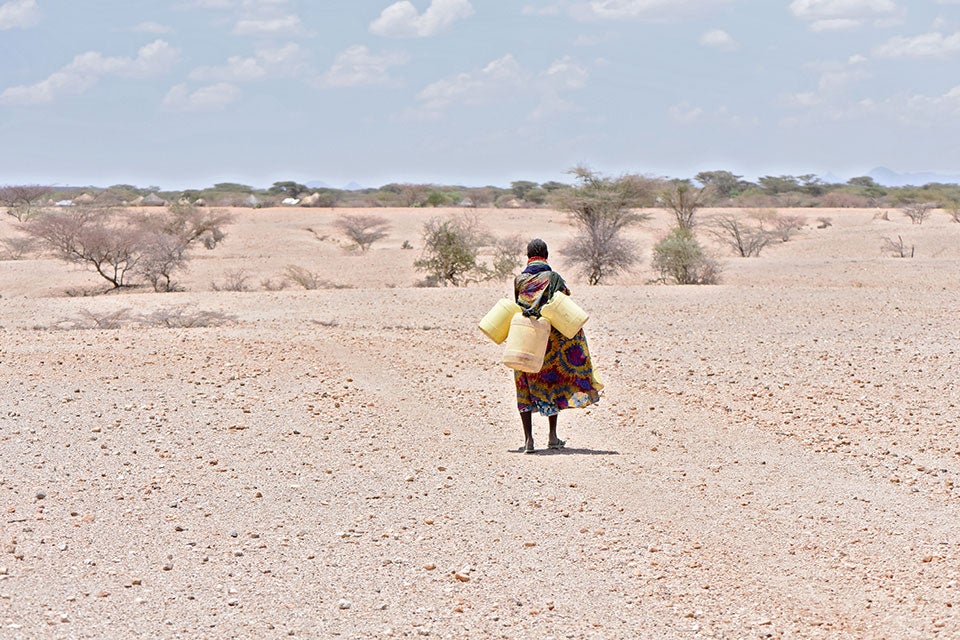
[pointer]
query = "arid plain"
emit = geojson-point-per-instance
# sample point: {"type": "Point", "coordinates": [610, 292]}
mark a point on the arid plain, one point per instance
{"type": "Point", "coordinates": [776, 456]}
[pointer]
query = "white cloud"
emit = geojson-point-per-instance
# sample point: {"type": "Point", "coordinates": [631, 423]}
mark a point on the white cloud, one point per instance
{"type": "Point", "coordinates": [927, 45]}
{"type": "Point", "coordinates": [857, 59]}
{"type": "Point", "coordinates": [719, 39]}
{"type": "Point", "coordinates": [480, 86]}
{"type": "Point", "coordinates": [402, 20]}
{"type": "Point", "coordinates": [830, 15]}
{"type": "Point", "coordinates": [86, 69]}
{"type": "Point", "coordinates": [151, 27]}
{"type": "Point", "coordinates": [685, 113]}
{"type": "Point", "coordinates": [565, 73]}
{"type": "Point", "coordinates": [357, 66]}
{"type": "Point", "coordinates": [651, 10]}
{"type": "Point", "coordinates": [265, 62]}
{"type": "Point", "coordinates": [287, 25]}
{"type": "Point", "coordinates": [505, 80]}
{"type": "Point", "coordinates": [214, 97]}
{"type": "Point", "coordinates": [19, 14]}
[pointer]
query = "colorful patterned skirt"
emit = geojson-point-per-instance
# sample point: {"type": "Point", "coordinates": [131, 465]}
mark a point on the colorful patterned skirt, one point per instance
{"type": "Point", "coordinates": [565, 381]}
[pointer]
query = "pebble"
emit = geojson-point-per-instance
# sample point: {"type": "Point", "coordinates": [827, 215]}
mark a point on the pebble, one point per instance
{"type": "Point", "coordinates": [41, 495]}
{"type": "Point", "coordinates": [344, 604]}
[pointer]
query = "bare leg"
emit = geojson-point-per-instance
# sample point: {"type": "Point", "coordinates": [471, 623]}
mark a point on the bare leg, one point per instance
{"type": "Point", "coordinates": [526, 418]}
{"type": "Point", "coordinates": [553, 430]}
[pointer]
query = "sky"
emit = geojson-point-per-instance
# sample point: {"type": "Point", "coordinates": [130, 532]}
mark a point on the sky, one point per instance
{"type": "Point", "coordinates": [188, 93]}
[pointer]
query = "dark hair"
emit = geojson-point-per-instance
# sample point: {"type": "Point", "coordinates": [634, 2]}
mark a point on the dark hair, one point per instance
{"type": "Point", "coordinates": [537, 248]}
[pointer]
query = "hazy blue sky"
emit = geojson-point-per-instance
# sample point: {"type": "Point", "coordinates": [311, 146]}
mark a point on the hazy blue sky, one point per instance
{"type": "Point", "coordinates": [186, 93]}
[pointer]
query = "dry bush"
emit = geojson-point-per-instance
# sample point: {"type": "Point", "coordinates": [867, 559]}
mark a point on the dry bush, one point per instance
{"type": "Point", "coordinates": [824, 223]}
{"type": "Point", "coordinates": [785, 226]}
{"type": "Point", "coordinates": [17, 247]}
{"type": "Point", "coordinates": [744, 239]}
{"type": "Point", "coordinates": [918, 212]}
{"type": "Point", "coordinates": [953, 210]}
{"type": "Point", "coordinates": [305, 278]}
{"type": "Point", "coordinates": [269, 284]}
{"type": "Point", "coordinates": [507, 257]}
{"type": "Point", "coordinates": [363, 230]}
{"type": "Point", "coordinates": [185, 317]}
{"type": "Point", "coordinates": [842, 200]}
{"type": "Point", "coordinates": [233, 280]}
{"type": "Point", "coordinates": [897, 248]}
{"type": "Point", "coordinates": [179, 317]}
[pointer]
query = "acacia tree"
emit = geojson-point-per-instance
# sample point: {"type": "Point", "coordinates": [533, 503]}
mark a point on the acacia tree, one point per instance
{"type": "Point", "coordinates": [120, 247]}
{"type": "Point", "coordinates": [22, 201]}
{"type": "Point", "coordinates": [451, 247]}
{"type": "Point", "coordinates": [683, 199]}
{"type": "Point", "coordinates": [363, 230]}
{"type": "Point", "coordinates": [746, 240]}
{"type": "Point", "coordinates": [603, 208]}
{"type": "Point", "coordinates": [91, 236]}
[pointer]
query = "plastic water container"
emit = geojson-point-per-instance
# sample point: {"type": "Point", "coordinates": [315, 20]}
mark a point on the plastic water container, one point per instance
{"type": "Point", "coordinates": [526, 343]}
{"type": "Point", "coordinates": [496, 324]}
{"type": "Point", "coordinates": [564, 314]}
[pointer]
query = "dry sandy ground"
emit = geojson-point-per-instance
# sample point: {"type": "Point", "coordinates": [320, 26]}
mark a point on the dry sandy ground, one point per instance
{"type": "Point", "coordinates": [774, 457]}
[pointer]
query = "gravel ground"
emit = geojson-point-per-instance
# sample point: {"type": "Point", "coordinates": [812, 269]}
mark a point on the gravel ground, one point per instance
{"type": "Point", "coordinates": [773, 457]}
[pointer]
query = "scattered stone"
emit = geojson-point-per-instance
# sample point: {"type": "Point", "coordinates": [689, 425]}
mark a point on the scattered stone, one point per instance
{"type": "Point", "coordinates": [344, 604]}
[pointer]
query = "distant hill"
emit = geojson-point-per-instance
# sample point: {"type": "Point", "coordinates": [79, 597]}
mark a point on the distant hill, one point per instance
{"type": "Point", "coordinates": [890, 178]}
{"type": "Point", "coordinates": [318, 184]}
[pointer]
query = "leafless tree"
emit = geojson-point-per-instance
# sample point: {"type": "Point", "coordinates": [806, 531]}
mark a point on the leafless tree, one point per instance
{"type": "Point", "coordinates": [918, 212]}
{"type": "Point", "coordinates": [363, 230]}
{"type": "Point", "coordinates": [95, 237]}
{"type": "Point", "coordinates": [23, 201]}
{"type": "Point", "coordinates": [897, 248]}
{"type": "Point", "coordinates": [507, 257]}
{"type": "Point", "coordinates": [119, 247]}
{"type": "Point", "coordinates": [745, 239]}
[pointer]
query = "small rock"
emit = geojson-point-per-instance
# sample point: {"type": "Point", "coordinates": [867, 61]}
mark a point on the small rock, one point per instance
{"type": "Point", "coordinates": [41, 495]}
{"type": "Point", "coordinates": [430, 566]}
{"type": "Point", "coordinates": [461, 577]}
{"type": "Point", "coordinates": [344, 604]}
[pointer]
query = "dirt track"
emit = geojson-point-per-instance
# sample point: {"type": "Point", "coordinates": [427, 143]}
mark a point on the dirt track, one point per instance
{"type": "Point", "coordinates": [773, 457]}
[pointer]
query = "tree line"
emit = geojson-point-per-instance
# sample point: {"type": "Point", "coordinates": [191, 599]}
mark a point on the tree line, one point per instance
{"type": "Point", "coordinates": [721, 189]}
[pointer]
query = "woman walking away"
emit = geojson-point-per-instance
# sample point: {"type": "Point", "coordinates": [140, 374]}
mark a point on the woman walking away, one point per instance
{"type": "Point", "coordinates": [566, 379]}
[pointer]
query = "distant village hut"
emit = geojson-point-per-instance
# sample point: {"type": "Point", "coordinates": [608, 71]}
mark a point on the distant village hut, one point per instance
{"type": "Point", "coordinates": [153, 200]}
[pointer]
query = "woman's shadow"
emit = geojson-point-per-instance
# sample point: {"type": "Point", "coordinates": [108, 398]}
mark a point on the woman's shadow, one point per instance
{"type": "Point", "coordinates": [569, 451]}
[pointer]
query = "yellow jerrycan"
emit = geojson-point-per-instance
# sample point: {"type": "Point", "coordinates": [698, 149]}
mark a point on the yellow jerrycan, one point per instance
{"type": "Point", "coordinates": [526, 343]}
{"type": "Point", "coordinates": [496, 324]}
{"type": "Point", "coordinates": [564, 314]}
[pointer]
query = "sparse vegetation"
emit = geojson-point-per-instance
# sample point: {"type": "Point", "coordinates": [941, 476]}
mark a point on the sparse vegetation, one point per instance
{"type": "Point", "coordinates": [683, 200]}
{"type": "Point", "coordinates": [451, 247]}
{"type": "Point", "coordinates": [918, 212]}
{"type": "Point", "coordinates": [233, 280]}
{"type": "Point", "coordinates": [745, 239]}
{"type": "Point", "coordinates": [363, 230]}
{"type": "Point", "coordinates": [304, 277]}
{"type": "Point", "coordinates": [602, 209]}
{"type": "Point", "coordinates": [120, 247]}
{"type": "Point", "coordinates": [680, 259]}
{"type": "Point", "coordinates": [23, 201]}
{"type": "Point", "coordinates": [897, 248]}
